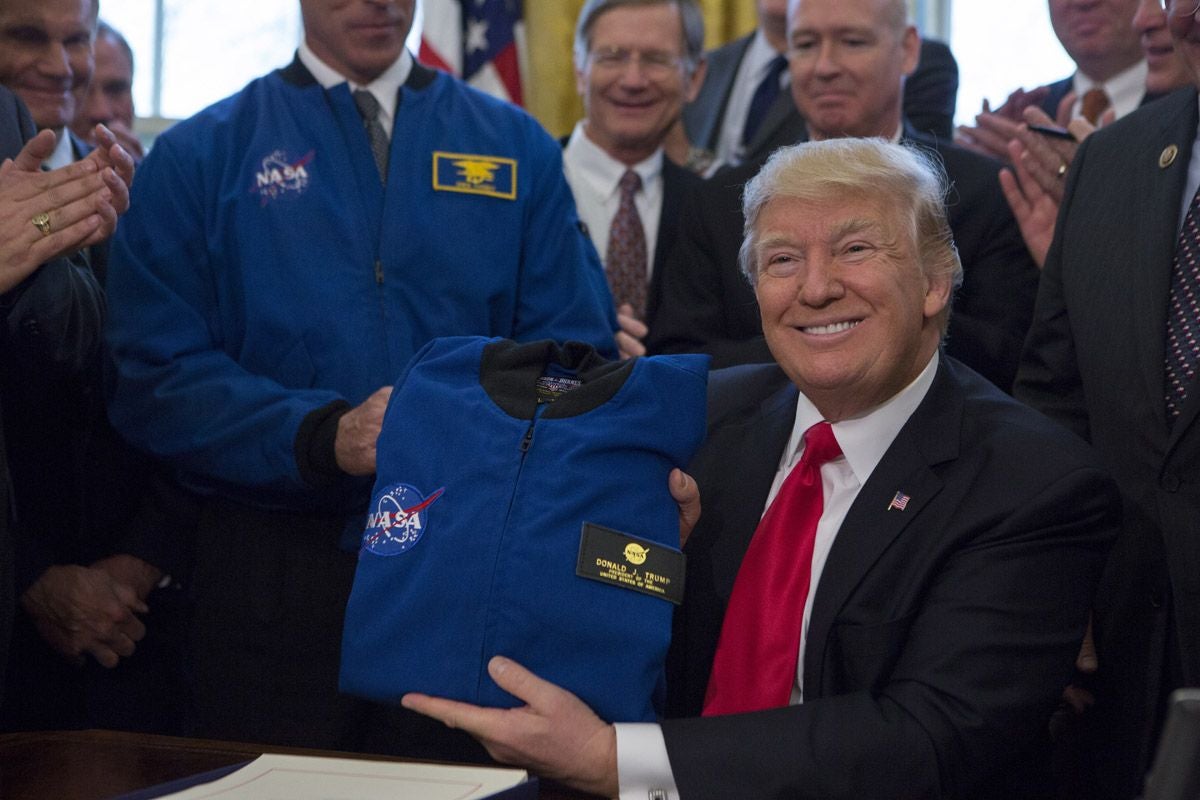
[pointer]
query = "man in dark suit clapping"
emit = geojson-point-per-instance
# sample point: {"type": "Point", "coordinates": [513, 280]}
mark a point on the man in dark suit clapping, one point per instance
{"type": "Point", "coordinates": [52, 305]}
{"type": "Point", "coordinates": [1112, 355]}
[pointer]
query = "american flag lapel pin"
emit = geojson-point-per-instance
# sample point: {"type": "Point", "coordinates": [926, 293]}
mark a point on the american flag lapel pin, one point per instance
{"type": "Point", "coordinates": [898, 502]}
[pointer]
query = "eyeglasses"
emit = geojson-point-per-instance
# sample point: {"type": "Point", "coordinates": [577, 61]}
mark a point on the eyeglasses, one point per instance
{"type": "Point", "coordinates": [1182, 8]}
{"type": "Point", "coordinates": [655, 63]}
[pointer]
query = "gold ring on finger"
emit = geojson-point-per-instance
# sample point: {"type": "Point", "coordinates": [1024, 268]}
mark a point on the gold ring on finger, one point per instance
{"type": "Point", "coordinates": [42, 222]}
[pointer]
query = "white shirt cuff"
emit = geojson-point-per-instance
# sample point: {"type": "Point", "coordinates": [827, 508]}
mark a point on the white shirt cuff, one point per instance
{"type": "Point", "coordinates": [643, 768]}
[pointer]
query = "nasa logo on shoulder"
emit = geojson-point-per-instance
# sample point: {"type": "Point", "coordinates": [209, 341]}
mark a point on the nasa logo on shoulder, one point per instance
{"type": "Point", "coordinates": [398, 520]}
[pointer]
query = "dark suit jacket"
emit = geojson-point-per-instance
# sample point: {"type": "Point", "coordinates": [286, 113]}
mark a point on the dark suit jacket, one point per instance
{"type": "Point", "coordinates": [678, 183]}
{"type": "Point", "coordinates": [1094, 361]}
{"type": "Point", "coordinates": [49, 337]}
{"type": "Point", "coordinates": [15, 128]}
{"type": "Point", "coordinates": [941, 635]}
{"type": "Point", "coordinates": [97, 254]}
{"type": "Point", "coordinates": [707, 305]}
{"type": "Point", "coordinates": [1058, 90]}
{"type": "Point", "coordinates": [930, 94]}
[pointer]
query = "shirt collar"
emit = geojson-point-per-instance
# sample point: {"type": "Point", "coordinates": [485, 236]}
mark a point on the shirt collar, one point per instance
{"type": "Point", "coordinates": [64, 151]}
{"type": "Point", "coordinates": [865, 438]}
{"type": "Point", "coordinates": [759, 56]}
{"type": "Point", "coordinates": [1125, 89]}
{"type": "Point", "coordinates": [385, 87]}
{"type": "Point", "coordinates": [602, 171]}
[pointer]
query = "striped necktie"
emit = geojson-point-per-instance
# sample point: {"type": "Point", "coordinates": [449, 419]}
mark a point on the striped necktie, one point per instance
{"type": "Point", "coordinates": [368, 108]}
{"type": "Point", "coordinates": [1183, 313]}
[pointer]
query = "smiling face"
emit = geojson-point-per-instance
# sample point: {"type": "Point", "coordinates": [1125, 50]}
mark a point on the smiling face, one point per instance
{"type": "Point", "coordinates": [358, 38]}
{"type": "Point", "coordinates": [109, 96]}
{"type": "Point", "coordinates": [634, 79]}
{"type": "Point", "coordinates": [1097, 35]}
{"type": "Point", "coordinates": [1185, 33]}
{"type": "Point", "coordinates": [847, 60]}
{"type": "Point", "coordinates": [46, 55]}
{"type": "Point", "coordinates": [1166, 69]}
{"type": "Point", "coordinates": [846, 309]}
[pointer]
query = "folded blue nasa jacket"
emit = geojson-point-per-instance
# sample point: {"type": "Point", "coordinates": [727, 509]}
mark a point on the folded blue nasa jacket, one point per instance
{"type": "Point", "coordinates": [521, 508]}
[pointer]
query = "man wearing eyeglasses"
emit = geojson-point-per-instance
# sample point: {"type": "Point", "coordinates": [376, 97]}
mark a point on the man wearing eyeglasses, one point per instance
{"type": "Point", "coordinates": [1112, 355]}
{"type": "Point", "coordinates": [636, 63]}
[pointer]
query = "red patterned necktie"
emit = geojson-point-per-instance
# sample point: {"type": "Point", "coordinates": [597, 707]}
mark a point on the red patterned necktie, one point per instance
{"type": "Point", "coordinates": [1183, 313]}
{"type": "Point", "coordinates": [755, 664]}
{"type": "Point", "coordinates": [625, 261]}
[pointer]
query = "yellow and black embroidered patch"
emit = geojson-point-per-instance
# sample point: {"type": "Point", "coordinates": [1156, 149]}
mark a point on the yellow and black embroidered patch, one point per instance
{"type": "Point", "coordinates": [491, 176]}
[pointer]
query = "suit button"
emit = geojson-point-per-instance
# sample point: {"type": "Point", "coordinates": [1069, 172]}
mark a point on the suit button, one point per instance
{"type": "Point", "coordinates": [1170, 482]}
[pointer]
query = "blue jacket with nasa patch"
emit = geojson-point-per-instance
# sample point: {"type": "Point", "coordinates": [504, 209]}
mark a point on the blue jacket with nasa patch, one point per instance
{"type": "Point", "coordinates": [264, 273]}
{"type": "Point", "coordinates": [475, 523]}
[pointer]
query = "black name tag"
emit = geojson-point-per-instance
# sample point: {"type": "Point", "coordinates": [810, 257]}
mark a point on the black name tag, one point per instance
{"type": "Point", "coordinates": [631, 563]}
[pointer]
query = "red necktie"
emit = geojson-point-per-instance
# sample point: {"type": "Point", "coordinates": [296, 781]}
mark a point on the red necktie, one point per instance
{"type": "Point", "coordinates": [755, 664]}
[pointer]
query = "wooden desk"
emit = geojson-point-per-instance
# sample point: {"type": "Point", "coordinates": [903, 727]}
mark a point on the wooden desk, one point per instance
{"type": "Point", "coordinates": [95, 765]}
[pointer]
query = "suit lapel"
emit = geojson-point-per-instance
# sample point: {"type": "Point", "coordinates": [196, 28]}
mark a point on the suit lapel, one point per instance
{"type": "Point", "coordinates": [706, 115]}
{"type": "Point", "coordinates": [18, 126]}
{"type": "Point", "coordinates": [1160, 189]}
{"type": "Point", "coordinates": [668, 217]}
{"type": "Point", "coordinates": [928, 438]}
{"type": "Point", "coordinates": [754, 458]}
{"type": "Point", "coordinates": [781, 112]}
{"type": "Point", "coordinates": [668, 222]}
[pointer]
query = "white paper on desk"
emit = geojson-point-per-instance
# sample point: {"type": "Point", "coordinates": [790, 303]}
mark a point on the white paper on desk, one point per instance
{"type": "Point", "coordinates": [280, 777]}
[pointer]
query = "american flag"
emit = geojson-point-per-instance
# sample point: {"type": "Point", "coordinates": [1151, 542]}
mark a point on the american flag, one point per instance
{"type": "Point", "coordinates": [898, 502]}
{"type": "Point", "coordinates": [481, 41]}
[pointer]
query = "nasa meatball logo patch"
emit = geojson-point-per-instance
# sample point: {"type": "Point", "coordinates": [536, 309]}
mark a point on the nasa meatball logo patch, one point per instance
{"type": "Point", "coordinates": [398, 520]}
{"type": "Point", "coordinates": [280, 175]}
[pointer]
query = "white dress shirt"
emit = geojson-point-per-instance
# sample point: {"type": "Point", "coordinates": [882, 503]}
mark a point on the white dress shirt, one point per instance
{"type": "Point", "coordinates": [1193, 180]}
{"type": "Point", "coordinates": [1125, 89]}
{"type": "Point", "coordinates": [385, 87]}
{"type": "Point", "coordinates": [594, 177]}
{"type": "Point", "coordinates": [752, 69]}
{"type": "Point", "coordinates": [64, 152]}
{"type": "Point", "coordinates": [642, 763]}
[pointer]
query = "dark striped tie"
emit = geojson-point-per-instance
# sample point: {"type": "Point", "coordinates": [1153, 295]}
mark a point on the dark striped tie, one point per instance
{"type": "Point", "coordinates": [368, 108]}
{"type": "Point", "coordinates": [764, 97]}
{"type": "Point", "coordinates": [1183, 313]}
